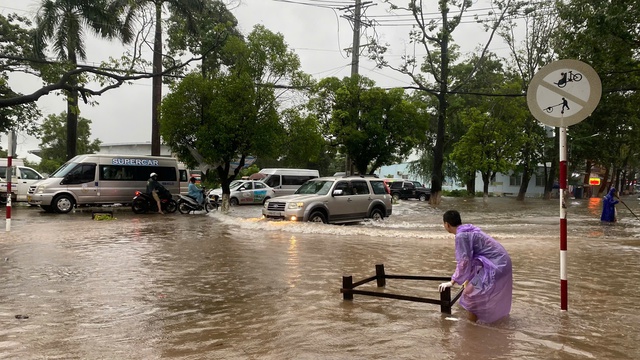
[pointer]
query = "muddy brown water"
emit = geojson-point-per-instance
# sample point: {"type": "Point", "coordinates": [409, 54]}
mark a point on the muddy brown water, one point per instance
{"type": "Point", "coordinates": [239, 287]}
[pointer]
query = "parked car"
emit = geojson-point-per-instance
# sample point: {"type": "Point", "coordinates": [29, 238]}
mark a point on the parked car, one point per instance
{"type": "Point", "coordinates": [333, 200]}
{"type": "Point", "coordinates": [405, 189]}
{"type": "Point", "coordinates": [22, 177]}
{"type": "Point", "coordinates": [245, 192]}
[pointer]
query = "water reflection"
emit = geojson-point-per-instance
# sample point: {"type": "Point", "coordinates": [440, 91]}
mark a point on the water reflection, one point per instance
{"type": "Point", "coordinates": [239, 287]}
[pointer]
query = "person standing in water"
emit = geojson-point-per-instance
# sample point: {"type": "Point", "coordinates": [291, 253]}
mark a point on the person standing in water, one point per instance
{"type": "Point", "coordinates": [483, 268]}
{"type": "Point", "coordinates": [609, 206]}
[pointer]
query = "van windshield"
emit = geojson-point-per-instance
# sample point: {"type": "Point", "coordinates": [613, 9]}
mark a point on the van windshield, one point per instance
{"type": "Point", "coordinates": [315, 187]}
{"type": "Point", "coordinates": [63, 170]}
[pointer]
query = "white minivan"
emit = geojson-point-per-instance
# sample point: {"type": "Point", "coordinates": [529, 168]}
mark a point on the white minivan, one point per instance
{"type": "Point", "coordinates": [286, 181]}
{"type": "Point", "coordinates": [96, 179]}
{"type": "Point", "coordinates": [22, 177]}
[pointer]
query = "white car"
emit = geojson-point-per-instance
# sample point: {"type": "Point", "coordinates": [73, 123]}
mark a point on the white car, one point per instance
{"type": "Point", "coordinates": [245, 192]}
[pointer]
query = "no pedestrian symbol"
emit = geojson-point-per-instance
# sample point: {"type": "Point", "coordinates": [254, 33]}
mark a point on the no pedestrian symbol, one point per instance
{"type": "Point", "coordinates": [564, 93]}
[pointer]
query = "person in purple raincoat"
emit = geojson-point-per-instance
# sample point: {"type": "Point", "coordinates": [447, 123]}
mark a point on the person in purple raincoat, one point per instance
{"type": "Point", "coordinates": [609, 206]}
{"type": "Point", "coordinates": [483, 269]}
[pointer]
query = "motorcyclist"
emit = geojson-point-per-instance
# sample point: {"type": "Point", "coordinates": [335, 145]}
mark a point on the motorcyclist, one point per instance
{"type": "Point", "coordinates": [154, 188]}
{"type": "Point", "coordinates": [195, 192]}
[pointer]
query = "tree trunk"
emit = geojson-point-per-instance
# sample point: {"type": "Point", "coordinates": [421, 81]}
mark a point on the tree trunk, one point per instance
{"type": "Point", "coordinates": [471, 184]}
{"type": "Point", "coordinates": [156, 82]}
{"type": "Point", "coordinates": [72, 112]}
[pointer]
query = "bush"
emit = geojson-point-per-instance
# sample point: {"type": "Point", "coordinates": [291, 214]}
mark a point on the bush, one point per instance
{"type": "Point", "coordinates": [457, 193]}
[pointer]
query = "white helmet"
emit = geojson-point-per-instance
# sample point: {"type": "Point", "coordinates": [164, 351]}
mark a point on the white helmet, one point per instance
{"type": "Point", "coordinates": [153, 175]}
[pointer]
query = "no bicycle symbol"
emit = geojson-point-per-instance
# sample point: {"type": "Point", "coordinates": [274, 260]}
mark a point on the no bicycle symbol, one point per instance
{"type": "Point", "coordinates": [564, 93]}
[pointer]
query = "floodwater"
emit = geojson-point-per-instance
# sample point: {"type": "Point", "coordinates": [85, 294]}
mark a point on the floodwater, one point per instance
{"type": "Point", "coordinates": [239, 287]}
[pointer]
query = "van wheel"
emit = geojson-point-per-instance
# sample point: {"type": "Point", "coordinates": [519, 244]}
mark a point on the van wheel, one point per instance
{"type": "Point", "coordinates": [376, 215]}
{"type": "Point", "coordinates": [318, 216]}
{"type": "Point", "coordinates": [63, 203]}
{"type": "Point", "coordinates": [423, 197]}
{"type": "Point", "coordinates": [233, 202]}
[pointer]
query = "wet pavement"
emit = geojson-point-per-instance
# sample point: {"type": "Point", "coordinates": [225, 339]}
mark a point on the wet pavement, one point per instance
{"type": "Point", "coordinates": [214, 286]}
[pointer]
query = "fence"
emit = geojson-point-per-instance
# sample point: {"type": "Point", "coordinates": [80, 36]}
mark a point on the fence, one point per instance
{"type": "Point", "coordinates": [445, 301]}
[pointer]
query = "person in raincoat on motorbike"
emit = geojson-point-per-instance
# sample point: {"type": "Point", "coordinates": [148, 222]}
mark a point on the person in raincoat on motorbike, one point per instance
{"type": "Point", "coordinates": [195, 192]}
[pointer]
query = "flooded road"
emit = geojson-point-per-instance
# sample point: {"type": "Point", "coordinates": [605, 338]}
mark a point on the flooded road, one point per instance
{"type": "Point", "coordinates": [239, 287]}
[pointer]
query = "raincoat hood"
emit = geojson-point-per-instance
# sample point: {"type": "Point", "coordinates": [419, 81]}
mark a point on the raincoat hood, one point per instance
{"type": "Point", "coordinates": [466, 228]}
{"type": "Point", "coordinates": [612, 191]}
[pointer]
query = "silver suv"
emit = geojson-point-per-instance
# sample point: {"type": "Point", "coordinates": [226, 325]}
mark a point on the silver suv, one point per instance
{"type": "Point", "coordinates": [333, 200]}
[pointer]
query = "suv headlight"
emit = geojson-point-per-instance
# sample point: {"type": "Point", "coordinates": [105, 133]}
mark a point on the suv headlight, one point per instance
{"type": "Point", "coordinates": [295, 205]}
{"type": "Point", "coordinates": [40, 189]}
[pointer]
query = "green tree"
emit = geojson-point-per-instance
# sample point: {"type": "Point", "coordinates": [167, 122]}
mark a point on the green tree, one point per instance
{"type": "Point", "coordinates": [53, 143]}
{"type": "Point", "coordinates": [432, 75]}
{"type": "Point", "coordinates": [15, 44]}
{"type": "Point", "coordinates": [372, 126]}
{"type": "Point", "coordinates": [527, 56]}
{"type": "Point", "coordinates": [494, 137]}
{"type": "Point", "coordinates": [184, 9]}
{"type": "Point", "coordinates": [228, 115]}
{"type": "Point", "coordinates": [604, 35]}
{"type": "Point", "coordinates": [63, 23]}
{"type": "Point", "coordinates": [204, 34]}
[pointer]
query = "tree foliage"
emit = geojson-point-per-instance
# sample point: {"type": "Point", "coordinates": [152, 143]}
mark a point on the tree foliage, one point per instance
{"type": "Point", "coordinates": [374, 127]}
{"type": "Point", "coordinates": [15, 42]}
{"type": "Point", "coordinates": [231, 114]}
{"type": "Point", "coordinates": [433, 35]}
{"type": "Point", "coordinates": [53, 141]}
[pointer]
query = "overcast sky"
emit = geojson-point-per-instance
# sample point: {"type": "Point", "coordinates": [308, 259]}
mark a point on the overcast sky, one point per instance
{"type": "Point", "coordinates": [318, 35]}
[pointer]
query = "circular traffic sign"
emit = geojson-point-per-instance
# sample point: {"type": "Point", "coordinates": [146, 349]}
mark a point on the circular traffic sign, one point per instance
{"type": "Point", "coordinates": [564, 93]}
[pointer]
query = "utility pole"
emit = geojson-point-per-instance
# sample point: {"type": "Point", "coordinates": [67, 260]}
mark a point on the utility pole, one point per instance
{"type": "Point", "coordinates": [355, 51]}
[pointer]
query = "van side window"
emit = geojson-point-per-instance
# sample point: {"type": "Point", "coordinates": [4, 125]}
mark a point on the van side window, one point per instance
{"type": "Point", "coordinates": [183, 175]}
{"type": "Point", "coordinates": [273, 180]}
{"type": "Point", "coordinates": [82, 173]}
{"type": "Point", "coordinates": [115, 172]}
{"type": "Point", "coordinates": [295, 179]}
{"type": "Point", "coordinates": [3, 171]}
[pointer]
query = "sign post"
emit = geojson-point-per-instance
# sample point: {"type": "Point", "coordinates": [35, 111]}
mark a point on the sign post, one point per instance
{"type": "Point", "coordinates": [561, 94]}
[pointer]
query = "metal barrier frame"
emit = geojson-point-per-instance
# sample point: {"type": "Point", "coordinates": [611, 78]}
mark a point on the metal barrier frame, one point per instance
{"type": "Point", "coordinates": [349, 289]}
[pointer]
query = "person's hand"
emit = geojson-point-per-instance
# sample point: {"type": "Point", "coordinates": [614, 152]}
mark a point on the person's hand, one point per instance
{"type": "Point", "coordinates": [445, 285]}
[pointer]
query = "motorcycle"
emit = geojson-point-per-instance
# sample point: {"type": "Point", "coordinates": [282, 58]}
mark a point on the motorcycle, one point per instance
{"type": "Point", "coordinates": [187, 204]}
{"type": "Point", "coordinates": [143, 203]}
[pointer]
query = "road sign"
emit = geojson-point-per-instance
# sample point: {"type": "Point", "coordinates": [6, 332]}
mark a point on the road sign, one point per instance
{"type": "Point", "coordinates": [564, 93]}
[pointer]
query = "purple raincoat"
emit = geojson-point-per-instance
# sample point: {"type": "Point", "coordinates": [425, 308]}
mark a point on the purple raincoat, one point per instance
{"type": "Point", "coordinates": [487, 266]}
{"type": "Point", "coordinates": [609, 206]}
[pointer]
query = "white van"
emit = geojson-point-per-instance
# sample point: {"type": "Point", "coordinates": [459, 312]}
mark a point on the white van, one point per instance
{"type": "Point", "coordinates": [22, 177]}
{"type": "Point", "coordinates": [287, 181]}
{"type": "Point", "coordinates": [97, 179]}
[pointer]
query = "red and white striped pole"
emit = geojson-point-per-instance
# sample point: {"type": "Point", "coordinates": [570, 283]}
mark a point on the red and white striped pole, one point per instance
{"type": "Point", "coordinates": [563, 219]}
{"type": "Point", "coordinates": [9, 175]}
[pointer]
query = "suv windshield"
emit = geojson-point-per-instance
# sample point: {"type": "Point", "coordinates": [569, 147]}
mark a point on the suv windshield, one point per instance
{"type": "Point", "coordinates": [315, 187]}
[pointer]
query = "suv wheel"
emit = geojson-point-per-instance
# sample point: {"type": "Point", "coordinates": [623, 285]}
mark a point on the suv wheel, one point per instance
{"type": "Point", "coordinates": [318, 216]}
{"type": "Point", "coordinates": [395, 197]}
{"type": "Point", "coordinates": [376, 215]}
{"type": "Point", "coordinates": [423, 197]}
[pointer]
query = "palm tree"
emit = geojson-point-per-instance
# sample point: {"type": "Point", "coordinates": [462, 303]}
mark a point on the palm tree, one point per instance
{"type": "Point", "coordinates": [183, 8]}
{"type": "Point", "coordinates": [63, 23]}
